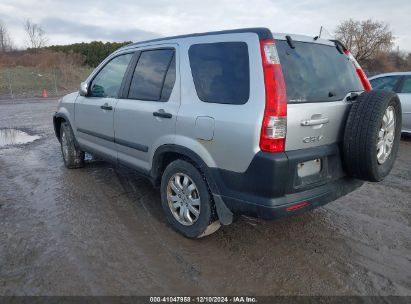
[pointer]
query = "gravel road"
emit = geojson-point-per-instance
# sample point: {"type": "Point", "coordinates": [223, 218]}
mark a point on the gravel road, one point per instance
{"type": "Point", "coordinates": [100, 230]}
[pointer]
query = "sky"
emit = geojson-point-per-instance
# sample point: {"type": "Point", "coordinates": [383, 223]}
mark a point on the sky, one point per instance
{"type": "Point", "coordinates": [73, 21]}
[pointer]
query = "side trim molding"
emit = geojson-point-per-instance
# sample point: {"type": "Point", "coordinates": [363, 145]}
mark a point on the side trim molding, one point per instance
{"type": "Point", "coordinates": [121, 142]}
{"type": "Point", "coordinates": [95, 134]}
{"type": "Point", "coordinates": [132, 145]}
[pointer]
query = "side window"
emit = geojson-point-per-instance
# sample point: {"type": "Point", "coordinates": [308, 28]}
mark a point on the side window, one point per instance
{"type": "Point", "coordinates": [406, 86]}
{"type": "Point", "coordinates": [154, 76]}
{"type": "Point", "coordinates": [169, 80]}
{"type": "Point", "coordinates": [385, 83]}
{"type": "Point", "coordinates": [221, 72]}
{"type": "Point", "coordinates": [108, 80]}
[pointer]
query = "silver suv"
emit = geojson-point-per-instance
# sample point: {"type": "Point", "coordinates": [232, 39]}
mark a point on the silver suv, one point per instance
{"type": "Point", "coordinates": [234, 122]}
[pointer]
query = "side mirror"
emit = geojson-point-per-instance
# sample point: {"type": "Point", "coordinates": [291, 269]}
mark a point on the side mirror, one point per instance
{"type": "Point", "coordinates": [83, 89]}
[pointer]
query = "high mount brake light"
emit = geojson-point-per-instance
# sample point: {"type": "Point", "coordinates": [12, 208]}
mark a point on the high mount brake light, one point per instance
{"type": "Point", "coordinates": [274, 126]}
{"type": "Point", "coordinates": [364, 80]}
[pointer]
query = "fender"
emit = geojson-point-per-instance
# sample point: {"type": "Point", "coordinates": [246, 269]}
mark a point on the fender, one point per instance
{"type": "Point", "coordinates": [57, 130]}
{"type": "Point", "coordinates": [55, 116]}
{"type": "Point", "coordinates": [224, 213]}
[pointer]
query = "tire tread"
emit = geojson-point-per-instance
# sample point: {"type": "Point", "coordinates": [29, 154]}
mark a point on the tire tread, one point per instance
{"type": "Point", "coordinates": [360, 134]}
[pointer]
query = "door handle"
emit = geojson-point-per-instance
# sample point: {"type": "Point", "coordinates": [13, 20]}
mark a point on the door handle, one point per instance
{"type": "Point", "coordinates": [162, 114]}
{"type": "Point", "coordinates": [314, 122]}
{"type": "Point", "coordinates": [106, 107]}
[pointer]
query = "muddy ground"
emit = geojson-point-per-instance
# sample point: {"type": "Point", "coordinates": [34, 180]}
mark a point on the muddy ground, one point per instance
{"type": "Point", "coordinates": [101, 231]}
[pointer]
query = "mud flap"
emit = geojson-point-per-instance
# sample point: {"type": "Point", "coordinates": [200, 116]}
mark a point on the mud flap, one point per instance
{"type": "Point", "coordinates": [224, 214]}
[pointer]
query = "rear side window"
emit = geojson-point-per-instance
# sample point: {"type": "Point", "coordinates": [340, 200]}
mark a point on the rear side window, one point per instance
{"type": "Point", "coordinates": [316, 73]}
{"type": "Point", "coordinates": [385, 83]}
{"type": "Point", "coordinates": [221, 72]}
{"type": "Point", "coordinates": [154, 76]}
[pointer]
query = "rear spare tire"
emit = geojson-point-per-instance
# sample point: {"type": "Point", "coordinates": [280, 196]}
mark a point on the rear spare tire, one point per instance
{"type": "Point", "coordinates": [372, 135]}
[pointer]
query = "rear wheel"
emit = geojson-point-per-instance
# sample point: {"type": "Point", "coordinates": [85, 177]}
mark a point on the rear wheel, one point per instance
{"type": "Point", "coordinates": [372, 135]}
{"type": "Point", "coordinates": [187, 201]}
{"type": "Point", "coordinates": [72, 156]}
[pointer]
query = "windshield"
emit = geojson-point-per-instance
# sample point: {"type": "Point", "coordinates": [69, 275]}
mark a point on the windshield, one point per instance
{"type": "Point", "coordinates": [316, 72]}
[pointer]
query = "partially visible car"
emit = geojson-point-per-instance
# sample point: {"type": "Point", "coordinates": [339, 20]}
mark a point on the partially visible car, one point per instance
{"type": "Point", "coordinates": [400, 83]}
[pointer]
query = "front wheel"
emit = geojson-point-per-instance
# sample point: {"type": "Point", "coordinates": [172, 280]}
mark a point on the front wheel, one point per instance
{"type": "Point", "coordinates": [187, 201]}
{"type": "Point", "coordinates": [72, 156]}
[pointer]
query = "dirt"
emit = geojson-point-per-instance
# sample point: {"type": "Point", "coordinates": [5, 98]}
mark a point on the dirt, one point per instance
{"type": "Point", "coordinates": [100, 230]}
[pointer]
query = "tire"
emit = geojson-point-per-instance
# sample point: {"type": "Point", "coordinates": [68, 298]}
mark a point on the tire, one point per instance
{"type": "Point", "coordinates": [181, 178]}
{"type": "Point", "coordinates": [365, 128]}
{"type": "Point", "coordinates": [72, 156]}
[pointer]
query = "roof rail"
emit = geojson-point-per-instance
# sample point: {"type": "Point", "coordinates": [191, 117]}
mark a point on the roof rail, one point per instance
{"type": "Point", "coordinates": [263, 33]}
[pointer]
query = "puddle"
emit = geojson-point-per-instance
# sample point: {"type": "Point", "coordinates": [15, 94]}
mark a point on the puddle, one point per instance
{"type": "Point", "coordinates": [9, 137]}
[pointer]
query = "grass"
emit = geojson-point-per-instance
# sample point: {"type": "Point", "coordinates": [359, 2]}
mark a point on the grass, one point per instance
{"type": "Point", "coordinates": [26, 82]}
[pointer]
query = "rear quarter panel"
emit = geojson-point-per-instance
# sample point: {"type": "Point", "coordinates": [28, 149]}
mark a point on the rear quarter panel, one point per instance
{"type": "Point", "coordinates": [236, 127]}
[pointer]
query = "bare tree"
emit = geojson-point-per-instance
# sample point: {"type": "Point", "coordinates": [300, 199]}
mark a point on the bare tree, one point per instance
{"type": "Point", "coordinates": [5, 41]}
{"type": "Point", "coordinates": [366, 38]}
{"type": "Point", "coordinates": [36, 35]}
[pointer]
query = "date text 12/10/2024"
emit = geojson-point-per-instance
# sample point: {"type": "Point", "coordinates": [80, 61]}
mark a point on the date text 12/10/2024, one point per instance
{"type": "Point", "coordinates": [205, 299]}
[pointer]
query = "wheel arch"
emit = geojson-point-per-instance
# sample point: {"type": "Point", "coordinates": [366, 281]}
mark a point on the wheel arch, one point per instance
{"type": "Point", "coordinates": [167, 153]}
{"type": "Point", "coordinates": [58, 119]}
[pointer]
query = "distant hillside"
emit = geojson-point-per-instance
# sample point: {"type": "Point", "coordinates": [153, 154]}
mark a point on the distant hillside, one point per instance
{"type": "Point", "coordinates": [94, 52]}
{"type": "Point", "coordinates": [54, 70]}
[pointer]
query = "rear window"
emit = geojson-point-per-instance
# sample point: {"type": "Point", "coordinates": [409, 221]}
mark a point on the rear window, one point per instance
{"type": "Point", "coordinates": [221, 72]}
{"type": "Point", "coordinates": [316, 72]}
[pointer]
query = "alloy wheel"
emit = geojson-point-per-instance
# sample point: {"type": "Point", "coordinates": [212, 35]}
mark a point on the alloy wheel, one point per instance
{"type": "Point", "coordinates": [183, 199]}
{"type": "Point", "coordinates": [386, 135]}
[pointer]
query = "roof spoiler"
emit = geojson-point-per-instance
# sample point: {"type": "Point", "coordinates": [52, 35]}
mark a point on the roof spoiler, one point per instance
{"type": "Point", "coordinates": [338, 43]}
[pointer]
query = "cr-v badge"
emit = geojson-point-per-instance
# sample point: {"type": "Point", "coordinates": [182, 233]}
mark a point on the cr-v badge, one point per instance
{"type": "Point", "coordinates": [312, 139]}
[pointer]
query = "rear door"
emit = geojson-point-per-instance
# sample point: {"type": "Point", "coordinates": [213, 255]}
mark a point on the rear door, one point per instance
{"type": "Point", "coordinates": [145, 116]}
{"type": "Point", "coordinates": [318, 79]}
{"type": "Point", "coordinates": [94, 113]}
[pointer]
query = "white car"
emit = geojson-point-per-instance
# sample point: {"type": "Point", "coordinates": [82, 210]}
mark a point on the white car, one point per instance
{"type": "Point", "coordinates": [400, 83]}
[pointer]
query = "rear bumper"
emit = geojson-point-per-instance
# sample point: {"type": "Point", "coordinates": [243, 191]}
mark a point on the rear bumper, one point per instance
{"type": "Point", "coordinates": [271, 188]}
{"type": "Point", "coordinates": [291, 204]}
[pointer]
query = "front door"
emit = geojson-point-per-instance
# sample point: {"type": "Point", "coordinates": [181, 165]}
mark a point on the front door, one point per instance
{"type": "Point", "coordinates": [94, 113]}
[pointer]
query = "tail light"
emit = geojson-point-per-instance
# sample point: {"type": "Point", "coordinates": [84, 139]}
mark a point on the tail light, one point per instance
{"type": "Point", "coordinates": [274, 126]}
{"type": "Point", "coordinates": [364, 80]}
